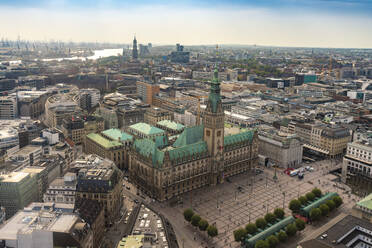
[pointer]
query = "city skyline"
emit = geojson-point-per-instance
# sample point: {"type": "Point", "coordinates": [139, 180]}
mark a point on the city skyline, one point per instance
{"type": "Point", "coordinates": [316, 23]}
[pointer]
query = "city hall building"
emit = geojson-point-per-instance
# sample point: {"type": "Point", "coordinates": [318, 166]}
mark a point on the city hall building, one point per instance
{"type": "Point", "coordinates": [200, 156]}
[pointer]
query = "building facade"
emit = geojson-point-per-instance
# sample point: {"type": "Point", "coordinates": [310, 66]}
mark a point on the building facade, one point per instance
{"type": "Point", "coordinates": [62, 190]}
{"type": "Point", "coordinates": [200, 156]}
{"type": "Point", "coordinates": [153, 115]}
{"type": "Point", "coordinates": [147, 90]}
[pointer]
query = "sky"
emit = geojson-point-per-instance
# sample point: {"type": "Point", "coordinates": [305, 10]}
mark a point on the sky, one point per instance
{"type": "Point", "coordinates": [300, 23]}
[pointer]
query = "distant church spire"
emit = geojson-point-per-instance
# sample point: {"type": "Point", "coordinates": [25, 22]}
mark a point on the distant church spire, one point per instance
{"type": "Point", "coordinates": [135, 51]}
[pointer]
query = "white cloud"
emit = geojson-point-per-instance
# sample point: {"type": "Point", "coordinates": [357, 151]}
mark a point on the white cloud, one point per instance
{"type": "Point", "coordinates": [168, 25]}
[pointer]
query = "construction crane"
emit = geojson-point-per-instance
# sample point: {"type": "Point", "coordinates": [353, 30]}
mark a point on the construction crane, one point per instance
{"type": "Point", "coordinates": [192, 98]}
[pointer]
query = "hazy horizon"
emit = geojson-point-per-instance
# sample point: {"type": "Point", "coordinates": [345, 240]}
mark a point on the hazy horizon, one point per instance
{"type": "Point", "coordinates": [276, 23]}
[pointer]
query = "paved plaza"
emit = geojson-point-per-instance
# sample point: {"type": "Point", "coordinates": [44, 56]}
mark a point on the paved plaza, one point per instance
{"type": "Point", "coordinates": [231, 205]}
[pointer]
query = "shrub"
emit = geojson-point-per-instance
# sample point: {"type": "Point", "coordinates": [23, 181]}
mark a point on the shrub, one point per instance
{"type": "Point", "coordinates": [212, 231]}
{"type": "Point", "coordinates": [188, 213]}
{"type": "Point", "coordinates": [270, 218]}
{"type": "Point", "coordinates": [203, 224]}
{"type": "Point", "coordinates": [294, 205]}
{"type": "Point", "coordinates": [279, 213]}
{"type": "Point", "coordinates": [282, 236]}
{"type": "Point", "coordinates": [251, 228]}
{"type": "Point", "coordinates": [195, 220]}
{"type": "Point", "coordinates": [324, 209]}
{"type": "Point", "coordinates": [291, 229]}
{"type": "Point", "coordinates": [317, 192]}
{"type": "Point", "coordinates": [239, 234]}
{"type": "Point", "coordinates": [310, 196]}
{"type": "Point", "coordinates": [261, 223]}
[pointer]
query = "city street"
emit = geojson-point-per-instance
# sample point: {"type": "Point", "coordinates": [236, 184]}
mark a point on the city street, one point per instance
{"type": "Point", "coordinates": [230, 208]}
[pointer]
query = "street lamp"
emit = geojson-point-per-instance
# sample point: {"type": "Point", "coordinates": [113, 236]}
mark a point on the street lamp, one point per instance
{"type": "Point", "coordinates": [283, 199]}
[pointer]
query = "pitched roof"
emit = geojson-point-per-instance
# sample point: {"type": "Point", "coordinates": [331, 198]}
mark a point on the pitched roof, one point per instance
{"type": "Point", "coordinates": [240, 137]}
{"type": "Point", "coordinates": [117, 134]}
{"type": "Point", "coordinates": [366, 202]}
{"type": "Point", "coordinates": [188, 150]}
{"type": "Point", "coordinates": [146, 128]}
{"type": "Point", "coordinates": [171, 125]}
{"type": "Point", "coordinates": [106, 143]}
{"type": "Point", "coordinates": [189, 136]}
{"type": "Point", "coordinates": [148, 148]}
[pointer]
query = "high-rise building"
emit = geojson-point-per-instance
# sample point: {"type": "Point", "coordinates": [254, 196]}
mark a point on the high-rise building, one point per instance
{"type": "Point", "coordinates": [135, 51]}
{"type": "Point", "coordinates": [8, 107]}
{"type": "Point", "coordinates": [147, 90]}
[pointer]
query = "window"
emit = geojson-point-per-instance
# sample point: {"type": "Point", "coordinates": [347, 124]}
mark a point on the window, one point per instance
{"type": "Point", "coordinates": [208, 133]}
{"type": "Point", "coordinates": [219, 133]}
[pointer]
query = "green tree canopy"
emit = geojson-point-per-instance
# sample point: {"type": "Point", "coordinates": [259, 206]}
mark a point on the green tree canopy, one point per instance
{"type": "Point", "coordinates": [212, 231]}
{"type": "Point", "coordinates": [291, 229]}
{"type": "Point", "coordinates": [315, 214]}
{"type": "Point", "coordinates": [270, 218]}
{"type": "Point", "coordinates": [331, 204]}
{"type": "Point", "coordinates": [195, 220]}
{"type": "Point", "coordinates": [279, 213]}
{"type": "Point", "coordinates": [239, 234]}
{"type": "Point", "coordinates": [303, 200]}
{"type": "Point", "coordinates": [251, 228]}
{"type": "Point", "coordinates": [188, 213]}
{"type": "Point", "coordinates": [261, 223]}
{"type": "Point", "coordinates": [337, 200]}
{"type": "Point", "coordinates": [300, 224]}
{"type": "Point", "coordinates": [282, 236]}
{"type": "Point", "coordinates": [317, 192]}
{"type": "Point", "coordinates": [273, 241]}
{"type": "Point", "coordinates": [203, 225]}
{"type": "Point", "coordinates": [310, 196]}
{"type": "Point", "coordinates": [262, 244]}
{"type": "Point", "coordinates": [324, 209]}
{"type": "Point", "coordinates": [295, 205]}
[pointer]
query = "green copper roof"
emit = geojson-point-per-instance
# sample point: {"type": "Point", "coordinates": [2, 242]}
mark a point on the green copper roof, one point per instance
{"type": "Point", "coordinates": [106, 143]}
{"type": "Point", "coordinates": [188, 150]}
{"type": "Point", "coordinates": [214, 97]}
{"type": "Point", "coordinates": [146, 128]}
{"type": "Point", "coordinates": [237, 138]}
{"type": "Point", "coordinates": [147, 148]}
{"type": "Point", "coordinates": [161, 141]}
{"type": "Point", "coordinates": [366, 202]}
{"type": "Point", "coordinates": [171, 125]}
{"type": "Point", "coordinates": [117, 134]}
{"type": "Point", "coordinates": [189, 136]}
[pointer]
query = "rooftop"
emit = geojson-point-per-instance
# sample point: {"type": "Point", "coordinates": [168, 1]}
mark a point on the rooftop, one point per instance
{"type": "Point", "coordinates": [146, 129]}
{"type": "Point", "coordinates": [366, 202]}
{"type": "Point", "coordinates": [106, 143]}
{"type": "Point", "coordinates": [171, 125]}
{"type": "Point", "coordinates": [132, 241]}
{"type": "Point", "coordinates": [13, 177]}
{"type": "Point", "coordinates": [117, 134]}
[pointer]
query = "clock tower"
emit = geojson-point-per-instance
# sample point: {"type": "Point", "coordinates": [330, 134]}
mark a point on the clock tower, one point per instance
{"type": "Point", "coordinates": [213, 121]}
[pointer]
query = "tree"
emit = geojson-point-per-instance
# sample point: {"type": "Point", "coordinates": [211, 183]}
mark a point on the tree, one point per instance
{"type": "Point", "coordinates": [273, 241]}
{"type": "Point", "coordinates": [324, 209]}
{"type": "Point", "coordinates": [291, 229]}
{"type": "Point", "coordinates": [262, 244]}
{"type": "Point", "coordinates": [239, 234]}
{"type": "Point", "coordinates": [251, 228]}
{"type": "Point", "coordinates": [188, 213]}
{"type": "Point", "coordinates": [295, 205]}
{"type": "Point", "coordinates": [337, 200]}
{"type": "Point", "coordinates": [282, 236]}
{"type": "Point", "coordinates": [212, 231]}
{"type": "Point", "coordinates": [310, 196]}
{"type": "Point", "coordinates": [270, 218]}
{"type": "Point", "coordinates": [317, 192]}
{"type": "Point", "coordinates": [300, 224]}
{"type": "Point", "coordinates": [261, 223]}
{"type": "Point", "coordinates": [315, 214]}
{"type": "Point", "coordinates": [195, 220]}
{"type": "Point", "coordinates": [279, 213]}
{"type": "Point", "coordinates": [331, 204]}
{"type": "Point", "coordinates": [203, 225]}
{"type": "Point", "coordinates": [303, 200]}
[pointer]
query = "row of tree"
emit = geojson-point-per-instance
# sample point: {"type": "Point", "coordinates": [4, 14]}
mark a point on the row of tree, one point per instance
{"type": "Point", "coordinates": [197, 221]}
{"type": "Point", "coordinates": [295, 204]}
{"type": "Point", "coordinates": [324, 209]}
{"type": "Point", "coordinates": [261, 223]}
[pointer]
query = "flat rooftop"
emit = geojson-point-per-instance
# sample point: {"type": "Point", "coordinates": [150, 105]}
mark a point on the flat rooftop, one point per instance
{"type": "Point", "coordinates": [13, 177]}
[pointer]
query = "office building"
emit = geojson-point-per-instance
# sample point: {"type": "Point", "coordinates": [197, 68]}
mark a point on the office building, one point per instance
{"type": "Point", "coordinates": [201, 155]}
{"type": "Point", "coordinates": [179, 56]}
{"type": "Point", "coordinates": [147, 90]}
{"type": "Point", "coordinates": [7, 85]}
{"type": "Point", "coordinates": [89, 98]}
{"type": "Point", "coordinates": [51, 135]}
{"type": "Point", "coordinates": [8, 107]}
{"type": "Point", "coordinates": [73, 128]}
{"type": "Point", "coordinates": [134, 49]}
{"type": "Point", "coordinates": [62, 189]}
{"type": "Point", "coordinates": [31, 104]}
{"type": "Point", "coordinates": [27, 156]}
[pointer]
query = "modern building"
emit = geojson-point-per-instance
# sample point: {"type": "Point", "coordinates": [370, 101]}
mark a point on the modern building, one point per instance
{"type": "Point", "coordinates": [41, 175]}
{"type": "Point", "coordinates": [62, 189]}
{"type": "Point", "coordinates": [179, 56]}
{"type": "Point", "coordinates": [153, 115]}
{"type": "Point", "coordinates": [134, 50]}
{"type": "Point", "coordinates": [31, 104]}
{"type": "Point", "coordinates": [147, 90]}
{"type": "Point", "coordinates": [27, 156]}
{"type": "Point", "coordinates": [89, 98]}
{"type": "Point", "coordinates": [357, 163]}
{"type": "Point", "coordinates": [51, 135]}
{"type": "Point", "coordinates": [46, 225]}
{"type": "Point", "coordinates": [8, 107]}
{"type": "Point", "coordinates": [73, 128]}
{"type": "Point", "coordinates": [283, 150]}
{"type": "Point", "coordinates": [17, 190]}
{"type": "Point", "coordinates": [201, 155]}
{"type": "Point", "coordinates": [8, 137]}
{"type": "Point", "coordinates": [99, 179]}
